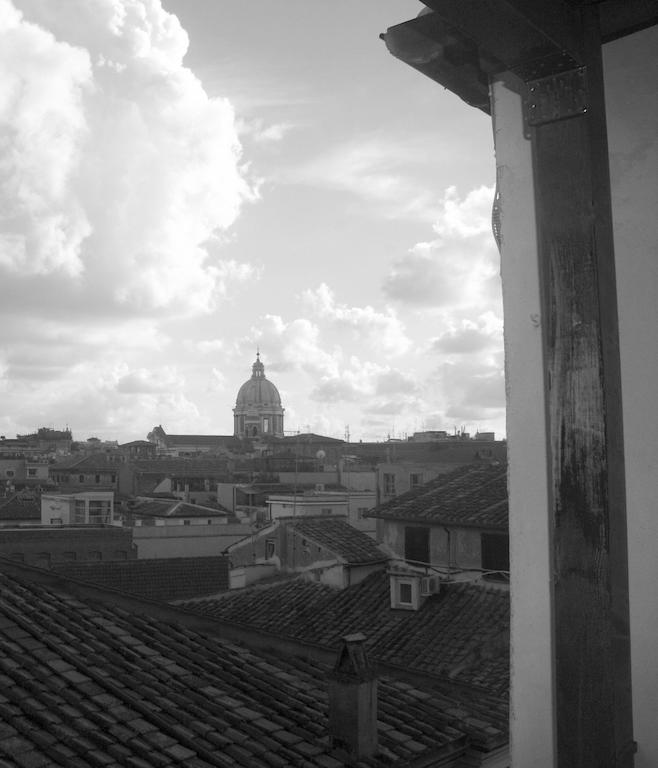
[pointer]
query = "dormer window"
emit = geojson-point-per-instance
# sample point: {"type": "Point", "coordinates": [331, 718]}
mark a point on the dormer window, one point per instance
{"type": "Point", "coordinates": [405, 590]}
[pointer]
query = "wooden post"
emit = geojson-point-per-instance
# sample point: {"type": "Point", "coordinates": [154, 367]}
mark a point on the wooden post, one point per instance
{"type": "Point", "coordinates": [586, 472]}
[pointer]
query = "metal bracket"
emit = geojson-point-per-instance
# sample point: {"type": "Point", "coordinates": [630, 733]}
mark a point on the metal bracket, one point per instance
{"type": "Point", "coordinates": [556, 97]}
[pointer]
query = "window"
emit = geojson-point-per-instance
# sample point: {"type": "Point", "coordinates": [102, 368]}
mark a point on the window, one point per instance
{"type": "Point", "coordinates": [42, 560]}
{"type": "Point", "coordinates": [99, 511]}
{"type": "Point", "coordinates": [417, 544]}
{"type": "Point", "coordinates": [361, 512]}
{"type": "Point", "coordinates": [270, 548]}
{"type": "Point", "coordinates": [405, 594]}
{"type": "Point", "coordinates": [415, 479]}
{"type": "Point", "coordinates": [209, 522]}
{"type": "Point", "coordinates": [69, 556]}
{"type": "Point", "coordinates": [389, 484]}
{"type": "Point", "coordinates": [81, 478]}
{"type": "Point", "coordinates": [121, 554]}
{"type": "Point", "coordinates": [9, 472]}
{"type": "Point", "coordinates": [97, 478]}
{"type": "Point", "coordinates": [326, 510]}
{"type": "Point", "coordinates": [95, 555]}
{"type": "Point", "coordinates": [79, 512]}
{"type": "Point", "coordinates": [31, 472]}
{"type": "Point", "coordinates": [187, 522]}
{"type": "Point", "coordinates": [55, 520]}
{"type": "Point", "coordinates": [495, 555]}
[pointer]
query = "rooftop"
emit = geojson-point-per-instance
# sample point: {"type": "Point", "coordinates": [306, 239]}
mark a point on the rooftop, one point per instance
{"type": "Point", "coordinates": [176, 578]}
{"type": "Point", "coordinates": [460, 635]}
{"type": "Point", "coordinates": [24, 505]}
{"type": "Point", "coordinates": [339, 537]}
{"type": "Point", "coordinates": [174, 508]}
{"type": "Point", "coordinates": [473, 495]}
{"type": "Point", "coordinates": [85, 683]}
{"type": "Point", "coordinates": [192, 467]}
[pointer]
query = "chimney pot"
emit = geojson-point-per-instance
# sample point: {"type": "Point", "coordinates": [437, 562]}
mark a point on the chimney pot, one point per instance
{"type": "Point", "coordinates": [352, 688]}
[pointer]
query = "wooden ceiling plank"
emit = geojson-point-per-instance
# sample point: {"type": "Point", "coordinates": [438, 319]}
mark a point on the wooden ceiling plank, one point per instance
{"type": "Point", "coordinates": [509, 40]}
{"type": "Point", "coordinates": [428, 45]}
{"type": "Point", "coordinates": [619, 19]}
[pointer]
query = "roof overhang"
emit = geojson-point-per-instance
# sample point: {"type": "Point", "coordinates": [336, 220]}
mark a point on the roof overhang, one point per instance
{"type": "Point", "coordinates": [461, 44]}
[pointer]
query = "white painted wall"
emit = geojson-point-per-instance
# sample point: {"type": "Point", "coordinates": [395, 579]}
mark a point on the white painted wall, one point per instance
{"type": "Point", "coordinates": [186, 540]}
{"type": "Point", "coordinates": [631, 78]}
{"type": "Point", "coordinates": [531, 711]}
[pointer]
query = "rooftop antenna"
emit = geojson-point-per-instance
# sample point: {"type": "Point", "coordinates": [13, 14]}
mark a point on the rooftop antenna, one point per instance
{"type": "Point", "coordinates": [347, 433]}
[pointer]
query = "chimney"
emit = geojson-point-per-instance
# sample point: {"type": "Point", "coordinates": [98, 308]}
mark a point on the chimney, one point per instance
{"type": "Point", "coordinates": [353, 699]}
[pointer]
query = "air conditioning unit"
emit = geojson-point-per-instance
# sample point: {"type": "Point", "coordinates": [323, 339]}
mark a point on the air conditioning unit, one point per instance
{"type": "Point", "coordinates": [430, 585]}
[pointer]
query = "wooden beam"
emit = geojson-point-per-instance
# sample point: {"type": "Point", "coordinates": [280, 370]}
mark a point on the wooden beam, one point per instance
{"type": "Point", "coordinates": [429, 45]}
{"type": "Point", "coordinates": [508, 39]}
{"type": "Point", "coordinates": [623, 18]}
{"type": "Point", "coordinates": [586, 472]}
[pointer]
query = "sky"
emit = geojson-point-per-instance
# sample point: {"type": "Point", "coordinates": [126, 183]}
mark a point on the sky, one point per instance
{"type": "Point", "coordinates": [183, 182]}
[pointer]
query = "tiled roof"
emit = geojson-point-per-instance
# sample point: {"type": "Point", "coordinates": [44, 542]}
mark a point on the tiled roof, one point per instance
{"type": "Point", "coordinates": [25, 505]}
{"type": "Point", "coordinates": [339, 537]}
{"type": "Point", "coordinates": [178, 578]}
{"type": "Point", "coordinates": [473, 495]}
{"type": "Point", "coordinates": [87, 684]}
{"type": "Point", "coordinates": [174, 508]}
{"type": "Point", "coordinates": [461, 634]}
{"type": "Point", "coordinates": [196, 467]}
{"type": "Point", "coordinates": [310, 437]}
{"type": "Point", "coordinates": [198, 439]}
{"type": "Point", "coordinates": [90, 462]}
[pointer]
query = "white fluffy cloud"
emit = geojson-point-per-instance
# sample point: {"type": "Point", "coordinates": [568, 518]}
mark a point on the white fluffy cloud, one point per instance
{"type": "Point", "coordinates": [375, 169]}
{"type": "Point", "coordinates": [459, 268]}
{"type": "Point", "coordinates": [295, 346]}
{"type": "Point", "coordinates": [474, 334]}
{"type": "Point", "coordinates": [119, 179]}
{"type": "Point", "coordinates": [369, 383]}
{"type": "Point", "coordinates": [379, 330]}
{"type": "Point", "coordinates": [117, 169]}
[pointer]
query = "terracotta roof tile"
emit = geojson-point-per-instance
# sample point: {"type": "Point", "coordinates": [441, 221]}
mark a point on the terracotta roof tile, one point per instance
{"type": "Point", "coordinates": [473, 495]}
{"type": "Point", "coordinates": [341, 538]}
{"type": "Point", "coordinates": [461, 634]}
{"type": "Point", "coordinates": [168, 579]}
{"type": "Point", "coordinates": [152, 710]}
{"type": "Point", "coordinates": [24, 505]}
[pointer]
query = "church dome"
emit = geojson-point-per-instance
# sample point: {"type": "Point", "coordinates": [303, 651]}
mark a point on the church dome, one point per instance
{"type": "Point", "coordinates": [258, 410]}
{"type": "Point", "coordinates": [258, 390]}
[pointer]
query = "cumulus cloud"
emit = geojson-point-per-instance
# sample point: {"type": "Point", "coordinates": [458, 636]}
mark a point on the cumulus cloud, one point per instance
{"type": "Point", "coordinates": [460, 267]}
{"type": "Point", "coordinates": [375, 169]}
{"type": "Point", "coordinates": [120, 178]}
{"type": "Point", "coordinates": [105, 397]}
{"type": "Point", "coordinates": [369, 383]}
{"type": "Point", "coordinates": [384, 330]}
{"type": "Point", "coordinates": [470, 335]}
{"type": "Point", "coordinates": [117, 169]}
{"type": "Point", "coordinates": [294, 346]}
{"type": "Point", "coordinates": [473, 390]}
{"type": "Point", "coordinates": [146, 381]}
{"type": "Point", "coordinates": [258, 131]}
{"type": "Point", "coordinates": [206, 346]}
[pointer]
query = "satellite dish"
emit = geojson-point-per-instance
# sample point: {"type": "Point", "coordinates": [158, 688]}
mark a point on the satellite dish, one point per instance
{"type": "Point", "coordinates": [320, 454]}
